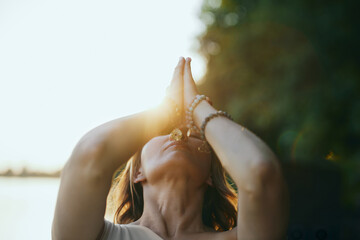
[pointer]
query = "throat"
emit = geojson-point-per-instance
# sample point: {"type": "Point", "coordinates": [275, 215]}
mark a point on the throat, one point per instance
{"type": "Point", "coordinates": [172, 209]}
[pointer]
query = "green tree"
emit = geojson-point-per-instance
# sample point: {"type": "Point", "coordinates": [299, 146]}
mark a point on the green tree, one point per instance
{"type": "Point", "coordinates": [289, 71]}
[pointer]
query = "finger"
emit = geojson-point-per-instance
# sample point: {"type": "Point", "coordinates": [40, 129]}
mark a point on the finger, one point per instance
{"type": "Point", "coordinates": [188, 78]}
{"type": "Point", "coordinates": [177, 83]}
{"type": "Point", "coordinates": [178, 72]}
{"type": "Point", "coordinates": [190, 89]}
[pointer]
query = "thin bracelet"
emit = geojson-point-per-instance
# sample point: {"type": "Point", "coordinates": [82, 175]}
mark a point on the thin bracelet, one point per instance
{"type": "Point", "coordinates": [208, 118]}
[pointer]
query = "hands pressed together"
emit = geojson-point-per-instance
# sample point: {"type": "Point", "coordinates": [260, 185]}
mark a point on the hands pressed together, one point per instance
{"type": "Point", "coordinates": [182, 89]}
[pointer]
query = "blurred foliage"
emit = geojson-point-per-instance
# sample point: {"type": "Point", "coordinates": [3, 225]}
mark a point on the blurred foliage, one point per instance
{"type": "Point", "coordinates": [289, 72]}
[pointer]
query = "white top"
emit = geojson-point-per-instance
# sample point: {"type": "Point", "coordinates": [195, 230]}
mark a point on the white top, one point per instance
{"type": "Point", "coordinates": [127, 232]}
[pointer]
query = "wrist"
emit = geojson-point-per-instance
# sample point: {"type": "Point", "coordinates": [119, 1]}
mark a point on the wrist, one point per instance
{"type": "Point", "coordinates": [190, 123]}
{"type": "Point", "coordinates": [161, 118]}
{"type": "Point", "coordinates": [168, 115]}
{"type": "Point", "coordinates": [201, 112]}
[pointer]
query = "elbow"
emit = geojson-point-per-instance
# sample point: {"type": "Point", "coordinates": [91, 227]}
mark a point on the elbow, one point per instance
{"type": "Point", "coordinates": [90, 145]}
{"type": "Point", "coordinates": [87, 152]}
{"type": "Point", "coordinates": [266, 168]}
{"type": "Point", "coordinates": [264, 174]}
{"type": "Point", "coordinates": [87, 161]}
{"type": "Point", "coordinates": [268, 174]}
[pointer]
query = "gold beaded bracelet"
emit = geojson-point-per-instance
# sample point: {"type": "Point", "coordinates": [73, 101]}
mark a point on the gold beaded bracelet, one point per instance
{"type": "Point", "coordinates": [189, 113]}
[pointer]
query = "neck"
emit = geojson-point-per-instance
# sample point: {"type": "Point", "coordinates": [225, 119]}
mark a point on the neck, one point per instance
{"type": "Point", "coordinates": [173, 208]}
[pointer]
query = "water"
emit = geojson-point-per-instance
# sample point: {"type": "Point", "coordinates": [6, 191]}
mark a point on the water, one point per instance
{"type": "Point", "coordinates": [27, 207]}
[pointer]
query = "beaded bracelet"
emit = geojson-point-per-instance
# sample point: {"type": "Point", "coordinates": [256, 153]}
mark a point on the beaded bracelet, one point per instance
{"type": "Point", "coordinates": [208, 118]}
{"type": "Point", "coordinates": [189, 113]}
{"type": "Point", "coordinates": [205, 146]}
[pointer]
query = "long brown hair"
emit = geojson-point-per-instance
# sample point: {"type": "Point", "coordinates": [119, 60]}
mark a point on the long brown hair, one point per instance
{"type": "Point", "coordinates": [219, 207]}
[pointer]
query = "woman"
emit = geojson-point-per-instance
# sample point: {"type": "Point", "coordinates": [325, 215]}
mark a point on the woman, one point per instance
{"type": "Point", "coordinates": [174, 172]}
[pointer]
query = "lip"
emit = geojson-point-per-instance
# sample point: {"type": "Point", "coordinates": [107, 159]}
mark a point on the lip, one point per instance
{"type": "Point", "coordinates": [177, 144]}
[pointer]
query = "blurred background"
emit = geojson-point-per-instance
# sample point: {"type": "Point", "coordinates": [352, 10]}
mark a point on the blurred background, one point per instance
{"type": "Point", "coordinates": [288, 71]}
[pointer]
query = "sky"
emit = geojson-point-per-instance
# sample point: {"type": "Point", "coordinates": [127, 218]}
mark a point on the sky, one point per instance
{"type": "Point", "coordinates": [68, 66]}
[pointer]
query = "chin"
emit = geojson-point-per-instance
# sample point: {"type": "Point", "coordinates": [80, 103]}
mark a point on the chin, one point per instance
{"type": "Point", "coordinates": [178, 165]}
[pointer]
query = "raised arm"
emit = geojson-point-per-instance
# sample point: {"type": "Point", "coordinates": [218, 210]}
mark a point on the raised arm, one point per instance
{"type": "Point", "coordinates": [262, 192]}
{"type": "Point", "coordinates": [87, 175]}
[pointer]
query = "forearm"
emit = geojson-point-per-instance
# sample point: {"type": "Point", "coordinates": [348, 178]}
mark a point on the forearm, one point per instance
{"type": "Point", "coordinates": [241, 152]}
{"type": "Point", "coordinates": [120, 138]}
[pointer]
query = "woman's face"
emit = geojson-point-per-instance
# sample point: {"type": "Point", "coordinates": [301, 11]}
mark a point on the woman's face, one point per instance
{"type": "Point", "coordinates": [164, 158]}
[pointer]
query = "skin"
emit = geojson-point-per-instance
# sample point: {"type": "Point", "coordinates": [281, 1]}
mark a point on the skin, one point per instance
{"type": "Point", "coordinates": [174, 179]}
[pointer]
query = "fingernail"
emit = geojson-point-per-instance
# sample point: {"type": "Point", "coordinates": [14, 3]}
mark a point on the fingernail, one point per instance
{"type": "Point", "coordinates": [188, 59]}
{"type": "Point", "coordinates": [180, 58]}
